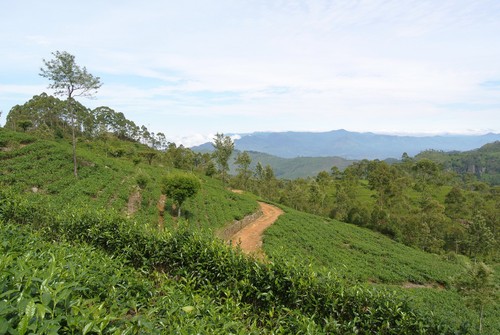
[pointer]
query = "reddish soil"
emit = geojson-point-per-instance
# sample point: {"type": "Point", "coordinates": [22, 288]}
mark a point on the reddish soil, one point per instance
{"type": "Point", "coordinates": [250, 237]}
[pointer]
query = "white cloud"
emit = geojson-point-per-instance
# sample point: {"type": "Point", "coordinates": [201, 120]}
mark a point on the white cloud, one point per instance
{"type": "Point", "coordinates": [202, 66]}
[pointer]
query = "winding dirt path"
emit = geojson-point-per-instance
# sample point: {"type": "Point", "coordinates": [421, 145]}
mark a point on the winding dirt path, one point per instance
{"type": "Point", "coordinates": [250, 237]}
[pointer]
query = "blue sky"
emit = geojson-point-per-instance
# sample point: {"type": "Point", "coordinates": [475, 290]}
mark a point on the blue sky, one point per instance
{"type": "Point", "coordinates": [193, 68]}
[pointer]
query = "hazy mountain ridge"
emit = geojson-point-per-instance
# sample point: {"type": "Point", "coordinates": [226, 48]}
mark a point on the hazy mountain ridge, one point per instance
{"type": "Point", "coordinates": [352, 145]}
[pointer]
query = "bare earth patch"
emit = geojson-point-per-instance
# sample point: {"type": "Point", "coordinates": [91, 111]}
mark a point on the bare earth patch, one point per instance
{"type": "Point", "coordinates": [429, 285]}
{"type": "Point", "coordinates": [134, 202]}
{"type": "Point", "coordinates": [250, 237]}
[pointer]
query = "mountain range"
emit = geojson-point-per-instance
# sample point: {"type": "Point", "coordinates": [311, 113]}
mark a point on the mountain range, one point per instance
{"type": "Point", "coordinates": [350, 145]}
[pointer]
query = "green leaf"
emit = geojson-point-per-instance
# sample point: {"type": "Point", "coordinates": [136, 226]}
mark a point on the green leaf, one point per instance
{"type": "Point", "coordinates": [46, 298]}
{"type": "Point", "coordinates": [87, 328]}
{"type": "Point", "coordinates": [23, 325]}
{"type": "Point", "coordinates": [4, 326]}
{"type": "Point", "coordinates": [188, 309]}
{"type": "Point", "coordinates": [41, 310]}
{"type": "Point", "coordinates": [30, 309]}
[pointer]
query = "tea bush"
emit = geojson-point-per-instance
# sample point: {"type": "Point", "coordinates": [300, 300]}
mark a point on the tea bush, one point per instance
{"type": "Point", "coordinates": [271, 291]}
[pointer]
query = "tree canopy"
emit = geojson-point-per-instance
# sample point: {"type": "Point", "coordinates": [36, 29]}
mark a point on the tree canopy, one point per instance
{"type": "Point", "coordinates": [224, 147]}
{"type": "Point", "coordinates": [179, 187]}
{"type": "Point", "coordinates": [69, 80]}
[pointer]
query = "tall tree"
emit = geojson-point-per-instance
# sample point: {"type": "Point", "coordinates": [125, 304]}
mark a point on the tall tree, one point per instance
{"type": "Point", "coordinates": [243, 161]}
{"type": "Point", "coordinates": [224, 147]}
{"type": "Point", "coordinates": [477, 284]}
{"type": "Point", "coordinates": [69, 80]}
{"type": "Point", "coordinates": [480, 240]}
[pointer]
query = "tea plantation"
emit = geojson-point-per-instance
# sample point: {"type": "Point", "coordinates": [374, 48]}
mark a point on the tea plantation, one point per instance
{"type": "Point", "coordinates": [88, 256]}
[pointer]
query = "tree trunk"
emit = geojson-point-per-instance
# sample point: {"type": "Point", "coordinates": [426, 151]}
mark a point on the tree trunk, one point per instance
{"type": "Point", "coordinates": [481, 320]}
{"type": "Point", "coordinates": [75, 166]}
{"type": "Point", "coordinates": [179, 211]}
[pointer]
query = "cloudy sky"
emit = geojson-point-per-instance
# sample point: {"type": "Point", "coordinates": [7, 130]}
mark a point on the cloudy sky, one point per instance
{"type": "Point", "coordinates": [192, 68]}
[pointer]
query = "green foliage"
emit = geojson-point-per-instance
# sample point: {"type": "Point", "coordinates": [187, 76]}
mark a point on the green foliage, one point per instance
{"type": "Point", "coordinates": [180, 187]}
{"type": "Point", "coordinates": [223, 148]}
{"type": "Point", "coordinates": [417, 202]}
{"type": "Point", "coordinates": [292, 168]}
{"type": "Point", "coordinates": [67, 78]}
{"type": "Point", "coordinates": [70, 80]}
{"type": "Point", "coordinates": [243, 162]}
{"type": "Point", "coordinates": [148, 155]}
{"type": "Point", "coordinates": [142, 180]}
{"type": "Point", "coordinates": [214, 207]}
{"type": "Point", "coordinates": [41, 166]}
{"type": "Point", "coordinates": [482, 163]}
{"type": "Point", "coordinates": [10, 140]}
{"type": "Point", "coordinates": [275, 297]}
{"type": "Point", "coordinates": [360, 255]}
{"type": "Point", "coordinates": [58, 288]}
{"type": "Point", "coordinates": [193, 284]}
{"type": "Point", "coordinates": [476, 283]}
{"type": "Point", "coordinates": [480, 240]}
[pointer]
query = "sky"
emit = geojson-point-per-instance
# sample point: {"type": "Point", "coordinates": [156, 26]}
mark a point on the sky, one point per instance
{"type": "Point", "coordinates": [193, 68]}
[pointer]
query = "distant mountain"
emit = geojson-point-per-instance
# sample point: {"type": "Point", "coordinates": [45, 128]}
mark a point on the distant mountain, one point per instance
{"type": "Point", "coordinates": [292, 168]}
{"type": "Point", "coordinates": [352, 145]}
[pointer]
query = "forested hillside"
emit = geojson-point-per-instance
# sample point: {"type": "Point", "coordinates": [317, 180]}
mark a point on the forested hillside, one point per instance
{"type": "Point", "coordinates": [482, 163]}
{"type": "Point", "coordinates": [106, 251]}
{"type": "Point", "coordinates": [292, 168]}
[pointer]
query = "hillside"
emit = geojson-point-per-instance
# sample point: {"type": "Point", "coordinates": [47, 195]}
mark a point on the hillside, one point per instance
{"type": "Point", "coordinates": [352, 145]}
{"type": "Point", "coordinates": [292, 168]}
{"type": "Point", "coordinates": [364, 256]}
{"type": "Point", "coordinates": [124, 184]}
{"type": "Point", "coordinates": [181, 279]}
{"type": "Point", "coordinates": [484, 163]}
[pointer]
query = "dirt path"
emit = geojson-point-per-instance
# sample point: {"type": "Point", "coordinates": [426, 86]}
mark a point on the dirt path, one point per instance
{"type": "Point", "coordinates": [250, 237]}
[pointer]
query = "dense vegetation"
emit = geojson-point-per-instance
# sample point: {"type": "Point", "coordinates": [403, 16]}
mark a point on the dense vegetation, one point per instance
{"type": "Point", "coordinates": [482, 163]}
{"type": "Point", "coordinates": [293, 168]}
{"type": "Point", "coordinates": [276, 296]}
{"type": "Point", "coordinates": [360, 255]}
{"type": "Point", "coordinates": [113, 228]}
{"type": "Point", "coordinates": [417, 201]}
